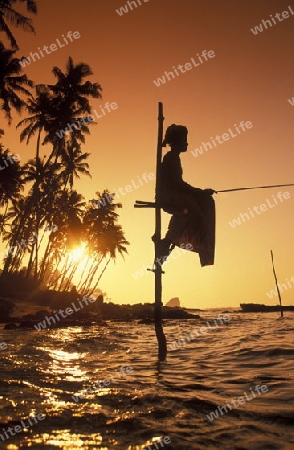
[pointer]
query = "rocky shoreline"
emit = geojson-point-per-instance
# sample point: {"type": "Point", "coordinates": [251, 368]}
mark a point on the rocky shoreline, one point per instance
{"type": "Point", "coordinates": [66, 310]}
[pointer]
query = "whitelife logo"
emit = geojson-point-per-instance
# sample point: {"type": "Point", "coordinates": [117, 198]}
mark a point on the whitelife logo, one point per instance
{"type": "Point", "coordinates": [108, 198]}
{"type": "Point", "coordinates": [123, 372]}
{"type": "Point", "coordinates": [53, 47]}
{"type": "Point", "coordinates": [176, 344]}
{"type": "Point", "coordinates": [19, 428]}
{"type": "Point", "coordinates": [206, 55]}
{"type": "Point", "coordinates": [237, 402]}
{"type": "Point", "coordinates": [11, 158]}
{"type": "Point", "coordinates": [263, 207]}
{"type": "Point", "coordinates": [282, 287]}
{"type": "Point", "coordinates": [124, 9]}
{"type": "Point", "coordinates": [67, 311]}
{"type": "Point", "coordinates": [259, 28]}
{"type": "Point", "coordinates": [78, 123]}
{"type": "Point", "coordinates": [225, 136]}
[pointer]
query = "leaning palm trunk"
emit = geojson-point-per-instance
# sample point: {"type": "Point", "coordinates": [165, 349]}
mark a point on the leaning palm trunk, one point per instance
{"type": "Point", "coordinates": [52, 281]}
{"type": "Point", "coordinates": [46, 260]}
{"type": "Point", "coordinates": [3, 219]}
{"type": "Point", "coordinates": [38, 219]}
{"type": "Point", "coordinates": [19, 230]}
{"type": "Point", "coordinates": [70, 277]}
{"type": "Point", "coordinates": [64, 271]}
{"type": "Point", "coordinates": [81, 278]}
{"type": "Point", "coordinates": [31, 263]}
{"type": "Point", "coordinates": [100, 276]}
{"type": "Point", "coordinates": [92, 270]}
{"type": "Point", "coordinates": [88, 285]}
{"type": "Point", "coordinates": [83, 288]}
{"type": "Point", "coordinates": [30, 202]}
{"type": "Point", "coordinates": [16, 260]}
{"type": "Point", "coordinates": [96, 268]}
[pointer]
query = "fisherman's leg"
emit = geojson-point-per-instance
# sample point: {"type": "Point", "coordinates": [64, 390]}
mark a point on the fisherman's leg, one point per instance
{"type": "Point", "coordinates": [173, 203]}
{"type": "Point", "coordinates": [188, 225]}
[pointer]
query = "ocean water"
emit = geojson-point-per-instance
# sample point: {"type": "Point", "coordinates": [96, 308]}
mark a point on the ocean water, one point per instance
{"type": "Point", "coordinates": [135, 403]}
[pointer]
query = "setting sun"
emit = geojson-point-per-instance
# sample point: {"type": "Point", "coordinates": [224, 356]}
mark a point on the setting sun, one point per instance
{"type": "Point", "coordinates": [78, 253]}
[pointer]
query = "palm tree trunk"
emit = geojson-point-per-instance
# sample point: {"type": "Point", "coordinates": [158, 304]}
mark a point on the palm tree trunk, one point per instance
{"type": "Point", "coordinates": [27, 210]}
{"type": "Point", "coordinates": [30, 263]}
{"type": "Point", "coordinates": [100, 276]}
{"type": "Point", "coordinates": [3, 220]}
{"type": "Point", "coordinates": [91, 277]}
{"type": "Point", "coordinates": [93, 268]}
{"type": "Point", "coordinates": [79, 283]}
{"type": "Point", "coordinates": [51, 281]}
{"type": "Point", "coordinates": [43, 264]}
{"type": "Point", "coordinates": [70, 277]}
{"type": "Point", "coordinates": [64, 271]}
{"type": "Point", "coordinates": [38, 179]}
{"type": "Point", "coordinates": [88, 285]}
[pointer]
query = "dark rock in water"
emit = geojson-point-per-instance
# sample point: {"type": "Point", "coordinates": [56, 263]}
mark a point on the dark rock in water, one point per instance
{"type": "Point", "coordinates": [177, 313]}
{"type": "Point", "coordinates": [146, 321]}
{"type": "Point", "coordinates": [28, 324]}
{"type": "Point", "coordinates": [10, 326]}
{"type": "Point", "coordinates": [256, 307]}
{"type": "Point", "coordinates": [174, 303]}
{"type": "Point", "coordinates": [39, 315]}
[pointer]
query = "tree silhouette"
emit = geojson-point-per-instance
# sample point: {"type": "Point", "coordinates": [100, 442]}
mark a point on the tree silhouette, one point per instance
{"type": "Point", "coordinates": [10, 16]}
{"type": "Point", "coordinates": [73, 163]}
{"type": "Point", "coordinates": [11, 182]}
{"type": "Point", "coordinates": [12, 83]}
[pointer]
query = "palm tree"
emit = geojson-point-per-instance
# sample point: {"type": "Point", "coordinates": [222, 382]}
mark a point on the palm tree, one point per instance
{"type": "Point", "coordinates": [40, 200]}
{"type": "Point", "coordinates": [55, 106]}
{"type": "Point", "coordinates": [11, 82]}
{"type": "Point", "coordinates": [71, 100]}
{"type": "Point", "coordinates": [14, 214]}
{"type": "Point", "coordinates": [42, 113]}
{"type": "Point", "coordinates": [11, 182]}
{"type": "Point", "coordinates": [103, 235]}
{"type": "Point", "coordinates": [116, 243]}
{"type": "Point", "coordinates": [66, 212]}
{"type": "Point", "coordinates": [12, 17]}
{"type": "Point", "coordinates": [73, 162]}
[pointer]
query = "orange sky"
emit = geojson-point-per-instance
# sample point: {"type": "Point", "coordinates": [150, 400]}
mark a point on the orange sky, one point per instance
{"type": "Point", "coordinates": [250, 78]}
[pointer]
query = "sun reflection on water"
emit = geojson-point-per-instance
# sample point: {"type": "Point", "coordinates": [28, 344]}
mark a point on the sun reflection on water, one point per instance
{"type": "Point", "coordinates": [66, 440]}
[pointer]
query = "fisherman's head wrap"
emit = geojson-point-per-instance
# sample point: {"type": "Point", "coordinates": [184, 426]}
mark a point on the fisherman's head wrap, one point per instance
{"type": "Point", "coordinates": [174, 134]}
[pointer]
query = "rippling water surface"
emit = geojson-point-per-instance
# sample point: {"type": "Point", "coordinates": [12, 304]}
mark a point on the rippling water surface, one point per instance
{"type": "Point", "coordinates": [42, 371]}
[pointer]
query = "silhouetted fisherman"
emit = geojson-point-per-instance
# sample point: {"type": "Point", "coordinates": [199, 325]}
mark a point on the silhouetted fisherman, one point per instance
{"type": "Point", "coordinates": [193, 209]}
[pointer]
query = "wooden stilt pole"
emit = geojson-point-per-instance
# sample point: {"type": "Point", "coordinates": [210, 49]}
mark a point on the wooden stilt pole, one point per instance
{"type": "Point", "coordinates": [162, 350]}
{"type": "Point", "coordinates": [276, 280]}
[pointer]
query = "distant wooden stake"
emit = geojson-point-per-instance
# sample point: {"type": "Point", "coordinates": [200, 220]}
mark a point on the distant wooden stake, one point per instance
{"type": "Point", "coordinates": [278, 290]}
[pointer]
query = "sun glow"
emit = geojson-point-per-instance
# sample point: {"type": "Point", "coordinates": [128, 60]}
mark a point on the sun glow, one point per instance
{"type": "Point", "coordinates": [78, 253]}
{"type": "Point", "coordinates": [79, 258]}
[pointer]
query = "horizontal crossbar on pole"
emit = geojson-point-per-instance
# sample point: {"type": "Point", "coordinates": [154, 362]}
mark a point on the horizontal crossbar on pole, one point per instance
{"type": "Point", "coordinates": [145, 204]}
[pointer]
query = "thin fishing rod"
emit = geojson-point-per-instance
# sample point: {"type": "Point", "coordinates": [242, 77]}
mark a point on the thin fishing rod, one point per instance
{"type": "Point", "coordinates": [256, 187]}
